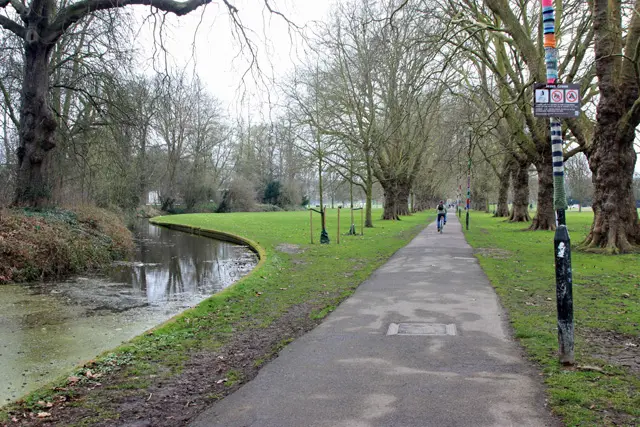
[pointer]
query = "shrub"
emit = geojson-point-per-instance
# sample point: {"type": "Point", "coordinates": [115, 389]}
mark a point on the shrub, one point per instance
{"type": "Point", "coordinates": [240, 197]}
{"type": "Point", "coordinates": [48, 244]}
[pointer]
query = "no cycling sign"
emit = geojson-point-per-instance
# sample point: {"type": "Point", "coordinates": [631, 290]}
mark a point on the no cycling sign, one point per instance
{"type": "Point", "coordinates": [556, 100]}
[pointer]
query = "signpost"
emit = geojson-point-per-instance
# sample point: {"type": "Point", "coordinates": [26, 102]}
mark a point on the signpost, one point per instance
{"type": "Point", "coordinates": [556, 100]}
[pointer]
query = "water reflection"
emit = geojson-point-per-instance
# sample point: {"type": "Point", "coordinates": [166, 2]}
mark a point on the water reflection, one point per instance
{"type": "Point", "coordinates": [46, 329]}
{"type": "Point", "coordinates": [172, 265]}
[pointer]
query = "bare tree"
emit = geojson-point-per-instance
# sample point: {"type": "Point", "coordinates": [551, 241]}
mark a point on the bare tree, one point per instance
{"type": "Point", "coordinates": [579, 179]}
{"type": "Point", "coordinates": [504, 37]}
{"type": "Point", "coordinates": [40, 24]}
{"type": "Point", "coordinates": [612, 157]}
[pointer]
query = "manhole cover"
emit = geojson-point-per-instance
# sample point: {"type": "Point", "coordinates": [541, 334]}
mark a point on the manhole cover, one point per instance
{"type": "Point", "coordinates": [421, 329]}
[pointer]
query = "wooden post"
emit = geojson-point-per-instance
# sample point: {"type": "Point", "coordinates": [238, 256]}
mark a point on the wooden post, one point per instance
{"type": "Point", "coordinates": [311, 224]}
{"type": "Point", "coordinates": [362, 222]}
{"type": "Point", "coordinates": [338, 233]}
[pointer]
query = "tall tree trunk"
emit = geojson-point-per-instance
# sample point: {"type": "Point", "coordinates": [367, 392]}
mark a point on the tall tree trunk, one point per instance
{"type": "Point", "coordinates": [368, 217]}
{"type": "Point", "coordinates": [402, 199]}
{"type": "Point", "coordinates": [520, 208]}
{"type": "Point", "coordinates": [142, 168]}
{"type": "Point", "coordinates": [390, 200]}
{"type": "Point", "coordinates": [612, 158]}
{"type": "Point", "coordinates": [615, 225]}
{"type": "Point", "coordinates": [412, 194]}
{"type": "Point", "coordinates": [502, 209]}
{"type": "Point", "coordinates": [545, 218]}
{"type": "Point", "coordinates": [37, 127]}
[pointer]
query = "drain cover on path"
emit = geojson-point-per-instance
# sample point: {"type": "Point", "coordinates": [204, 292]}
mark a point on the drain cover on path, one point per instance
{"type": "Point", "coordinates": [421, 329]}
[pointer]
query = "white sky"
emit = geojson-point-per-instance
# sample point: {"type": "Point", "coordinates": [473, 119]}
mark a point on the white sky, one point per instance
{"type": "Point", "coordinates": [205, 41]}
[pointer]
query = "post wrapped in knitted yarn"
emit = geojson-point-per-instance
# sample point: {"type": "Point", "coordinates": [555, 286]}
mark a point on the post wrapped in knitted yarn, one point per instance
{"type": "Point", "coordinates": [551, 61]}
{"type": "Point", "coordinates": [561, 240]}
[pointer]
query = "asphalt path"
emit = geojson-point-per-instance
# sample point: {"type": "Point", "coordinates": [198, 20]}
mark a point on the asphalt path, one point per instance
{"type": "Point", "coordinates": [423, 342]}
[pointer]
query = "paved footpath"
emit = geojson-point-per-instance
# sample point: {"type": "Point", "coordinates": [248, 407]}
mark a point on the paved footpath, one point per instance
{"type": "Point", "coordinates": [349, 372]}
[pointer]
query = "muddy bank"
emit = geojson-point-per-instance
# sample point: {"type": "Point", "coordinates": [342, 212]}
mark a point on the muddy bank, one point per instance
{"type": "Point", "coordinates": [46, 329]}
{"type": "Point", "coordinates": [52, 244]}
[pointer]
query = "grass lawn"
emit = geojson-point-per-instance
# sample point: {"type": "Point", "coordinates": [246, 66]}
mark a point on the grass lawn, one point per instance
{"type": "Point", "coordinates": [208, 351]}
{"type": "Point", "coordinates": [604, 389]}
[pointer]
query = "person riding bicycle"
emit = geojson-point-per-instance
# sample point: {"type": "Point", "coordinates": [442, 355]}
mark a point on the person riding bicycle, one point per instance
{"type": "Point", "coordinates": [442, 213]}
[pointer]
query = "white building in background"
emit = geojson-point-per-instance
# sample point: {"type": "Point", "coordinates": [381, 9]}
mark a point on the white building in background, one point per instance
{"type": "Point", "coordinates": [153, 198]}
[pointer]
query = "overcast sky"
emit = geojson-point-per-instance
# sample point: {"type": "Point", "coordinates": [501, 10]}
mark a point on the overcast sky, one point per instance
{"type": "Point", "coordinates": [207, 42]}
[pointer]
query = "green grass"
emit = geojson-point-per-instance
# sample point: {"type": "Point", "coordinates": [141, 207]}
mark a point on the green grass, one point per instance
{"type": "Point", "coordinates": [520, 265]}
{"type": "Point", "coordinates": [317, 276]}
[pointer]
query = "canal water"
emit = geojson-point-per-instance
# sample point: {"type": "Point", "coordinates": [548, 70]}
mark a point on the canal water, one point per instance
{"type": "Point", "coordinates": [48, 328]}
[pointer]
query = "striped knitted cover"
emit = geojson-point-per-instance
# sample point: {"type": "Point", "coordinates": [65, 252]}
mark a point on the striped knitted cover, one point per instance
{"type": "Point", "coordinates": [551, 61]}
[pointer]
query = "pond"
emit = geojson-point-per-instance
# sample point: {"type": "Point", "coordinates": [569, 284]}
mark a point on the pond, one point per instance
{"type": "Point", "coordinates": [48, 328]}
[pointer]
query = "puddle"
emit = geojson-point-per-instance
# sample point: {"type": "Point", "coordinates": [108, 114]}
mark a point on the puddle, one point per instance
{"type": "Point", "coordinates": [47, 329]}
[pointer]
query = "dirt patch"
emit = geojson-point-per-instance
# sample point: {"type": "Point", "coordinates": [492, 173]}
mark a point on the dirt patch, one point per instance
{"type": "Point", "coordinates": [169, 401]}
{"type": "Point", "coordinates": [615, 348]}
{"type": "Point", "coordinates": [496, 253]}
{"type": "Point", "coordinates": [289, 248]}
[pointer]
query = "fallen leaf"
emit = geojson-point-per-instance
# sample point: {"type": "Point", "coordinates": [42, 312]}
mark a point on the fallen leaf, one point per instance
{"type": "Point", "coordinates": [73, 379]}
{"type": "Point", "coordinates": [224, 380]}
{"type": "Point", "coordinates": [258, 293]}
{"type": "Point", "coordinates": [283, 289]}
{"type": "Point", "coordinates": [43, 414]}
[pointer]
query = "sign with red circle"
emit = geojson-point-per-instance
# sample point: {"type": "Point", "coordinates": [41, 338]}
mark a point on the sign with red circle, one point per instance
{"type": "Point", "coordinates": [557, 96]}
{"type": "Point", "coordinates": [572, 96]}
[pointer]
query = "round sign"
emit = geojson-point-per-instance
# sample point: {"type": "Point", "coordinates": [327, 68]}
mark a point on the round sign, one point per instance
{"type": "Point", "coordinates": [557, 95]}
{"type": "Point", "coordinates": [572, 96]}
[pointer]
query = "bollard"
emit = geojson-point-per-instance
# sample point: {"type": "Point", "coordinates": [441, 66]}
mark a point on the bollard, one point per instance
{"type": "Point", "coordinates": [564, 291]}
{"type": "Point", "coordinates": [311, 224]}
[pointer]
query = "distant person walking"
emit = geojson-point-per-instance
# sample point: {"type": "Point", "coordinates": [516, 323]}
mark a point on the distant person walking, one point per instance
{"type": "Point", "coordinates": [441, 209]}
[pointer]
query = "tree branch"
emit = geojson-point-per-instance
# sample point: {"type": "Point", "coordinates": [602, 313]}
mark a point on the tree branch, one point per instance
{"type": "Point", "coordinates": [76, 11]}
{"type": "Point", "coordinates": [8, 106]}
{"type": "Point", "coordinates": [18, 6]}
{"type": "Point", "coordinates": [12, 26]}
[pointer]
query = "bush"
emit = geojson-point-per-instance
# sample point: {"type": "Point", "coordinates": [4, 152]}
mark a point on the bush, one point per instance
{"type": "Point", "coordinates": [204, 207]}
{"type": "Point", "coordinates": [265, 207]}
{"type": "Point", "coordinates": [240, 197]}
{"type": "Point", "coordinates": [49, 244]}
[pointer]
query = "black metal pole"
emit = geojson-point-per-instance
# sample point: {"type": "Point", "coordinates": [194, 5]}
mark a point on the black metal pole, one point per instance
{"type": "Point", "coordinates": [469, 180]}
{"type": "Point", "coordinates": [564, 290]}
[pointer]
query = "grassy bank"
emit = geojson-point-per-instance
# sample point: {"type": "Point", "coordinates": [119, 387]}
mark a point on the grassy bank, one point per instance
{"type": "Point", "coordinates": [169, 375]}
{"type": "Point", "coordinates": [604, 389]}
{"type": "Point", "coordinates": [49, 244]}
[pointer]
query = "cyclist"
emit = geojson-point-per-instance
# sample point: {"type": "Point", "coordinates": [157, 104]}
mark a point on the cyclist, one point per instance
{"type": "Point", "coordinates": [442, 215]}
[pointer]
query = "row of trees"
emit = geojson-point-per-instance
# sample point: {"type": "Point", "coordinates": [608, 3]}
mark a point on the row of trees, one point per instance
{"type": "Point", "coordinates": [407, 96]}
